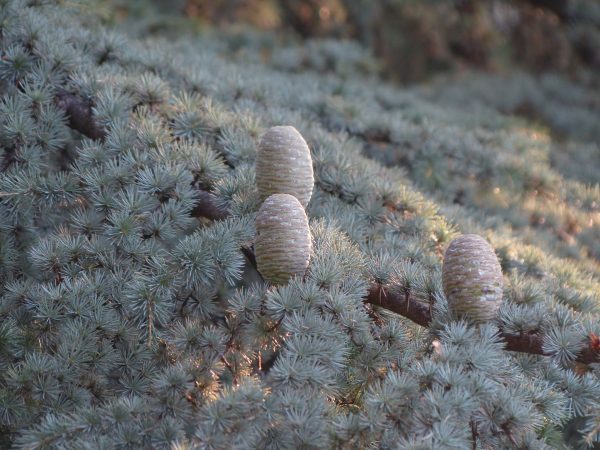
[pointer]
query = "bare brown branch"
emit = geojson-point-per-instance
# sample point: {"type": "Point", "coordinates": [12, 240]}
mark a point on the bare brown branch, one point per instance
{"type": "Point", "coordinates": [403, 305]}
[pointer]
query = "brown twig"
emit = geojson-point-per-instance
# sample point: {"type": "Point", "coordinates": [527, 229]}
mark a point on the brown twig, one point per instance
{"type": "Point", "coordinates": [474, 434]}
{"type": "Point", "coordinates": [404, 305]}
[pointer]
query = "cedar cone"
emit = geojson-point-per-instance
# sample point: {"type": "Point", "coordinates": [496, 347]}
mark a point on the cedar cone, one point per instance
{"type": "Point", "coordinates": [284, 164]}
{"type": "Point", "coordinates": [283, 241]}
{"type": "Point", "coordinates": [472, 278]}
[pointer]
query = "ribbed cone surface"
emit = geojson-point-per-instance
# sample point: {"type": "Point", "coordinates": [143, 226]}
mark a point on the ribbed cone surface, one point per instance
{"type": "Point", "coordinates": [472, 278]}
{"type": "Point", "coordinates": [283, 242]}
{"type": "Point", "coordinates": [284, 165]}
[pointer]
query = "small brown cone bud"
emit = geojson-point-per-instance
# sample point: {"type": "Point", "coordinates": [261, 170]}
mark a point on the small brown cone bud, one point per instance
{"type": "Point", "coordinates": [283, 242]}
{"type": "Point", "coordinates": [472, 278]}
{"type": "Point", "coordinates": [284, 165]}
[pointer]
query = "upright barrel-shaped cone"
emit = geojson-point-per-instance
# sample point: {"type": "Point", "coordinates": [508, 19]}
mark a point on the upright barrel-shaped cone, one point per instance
{"type": "Point", "coordinates": [283, 242]}
{"type": "Point", "coordinates": [284, 165]}
{"type": "Point", "coordinates": [472, 278]}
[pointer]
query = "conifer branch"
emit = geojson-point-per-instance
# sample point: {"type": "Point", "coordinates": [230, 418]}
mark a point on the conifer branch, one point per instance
{"type": "Point", "coordinates": [81, 119]}
{"type": "Point", "coordinates": [409, 307]}
{"type": "Point", "coordinates": [419, 313]}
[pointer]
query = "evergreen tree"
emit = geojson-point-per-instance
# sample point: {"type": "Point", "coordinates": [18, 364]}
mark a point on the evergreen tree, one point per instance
{"type": "Point", "coordinates": [132, 314]}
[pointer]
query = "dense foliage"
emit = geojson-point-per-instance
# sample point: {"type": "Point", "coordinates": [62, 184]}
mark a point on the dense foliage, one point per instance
{"type": "Point", "coordinates": [127, 320]}
{"type": "Point", "coordinates": [414, 39]}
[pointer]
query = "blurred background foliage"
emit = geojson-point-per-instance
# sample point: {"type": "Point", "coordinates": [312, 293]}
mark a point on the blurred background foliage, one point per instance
{"type": "Point", "coordinates": [413, 39]}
